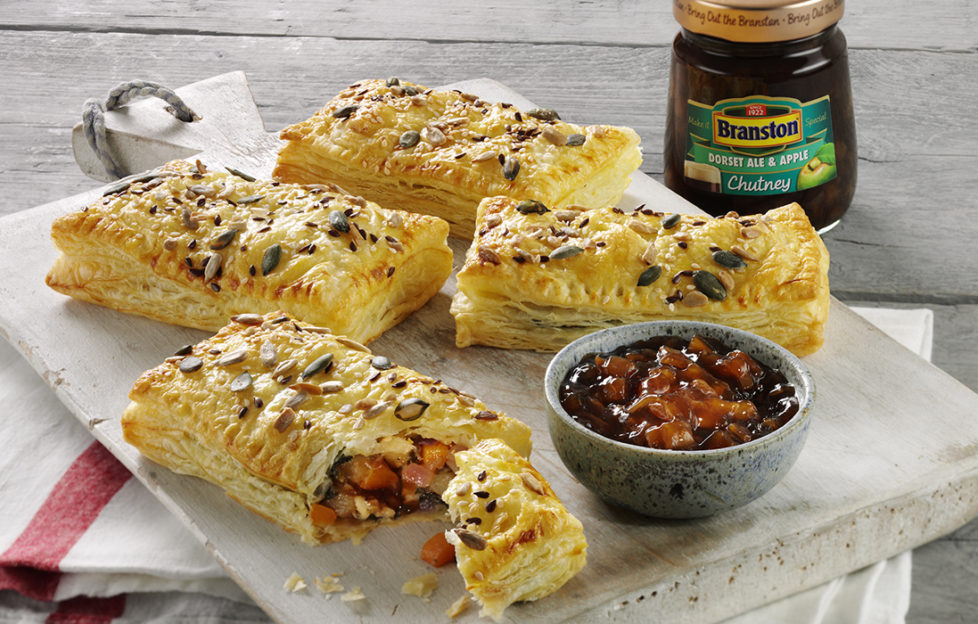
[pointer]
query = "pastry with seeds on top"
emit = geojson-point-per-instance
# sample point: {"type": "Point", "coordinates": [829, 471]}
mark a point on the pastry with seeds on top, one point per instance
{"type": "Point", "coordinates": [194, 247]}
{"type": "Point", "coordinates": [536, 278]}
{"type": "Point", "coordinates": [440, 152]}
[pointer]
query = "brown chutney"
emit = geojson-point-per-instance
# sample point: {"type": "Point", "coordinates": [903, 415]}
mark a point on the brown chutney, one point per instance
{"type": "Point", "coordinates": [670, 393]}
{"type": "Point", "coordinates": [760, 108]}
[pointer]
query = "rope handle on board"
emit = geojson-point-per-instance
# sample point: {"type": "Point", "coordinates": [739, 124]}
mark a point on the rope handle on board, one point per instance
{"type": "Point", "coordinates": [93, 115]}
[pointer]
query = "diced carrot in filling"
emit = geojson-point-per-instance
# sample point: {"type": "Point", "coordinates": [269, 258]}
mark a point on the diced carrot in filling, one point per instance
{"type": "Point", "coordinates": [437, 551]}
{"type": "Point", "coordinates": [370, 473]}
{"type": "Point", "coordinates": [434, 454]}
{"type": "Point", "coordinates": [321, 515]}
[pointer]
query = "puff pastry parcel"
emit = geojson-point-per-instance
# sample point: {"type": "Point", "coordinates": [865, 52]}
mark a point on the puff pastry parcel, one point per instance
{"type": "Point", "coordinates": [318, 434]}
{"type": "Point", "coordinates": [194, 247]}
{"type": "Point", "coordinates": [536, 278]}
{"type": "Point", "coordinates": [440, 152]}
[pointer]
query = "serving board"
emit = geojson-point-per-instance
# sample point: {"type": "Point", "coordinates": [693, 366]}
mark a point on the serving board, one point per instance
{"type": "Point", "coordinates": [891, 461]}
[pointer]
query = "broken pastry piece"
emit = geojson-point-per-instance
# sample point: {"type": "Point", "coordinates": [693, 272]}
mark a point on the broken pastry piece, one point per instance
{"type": "Point", "coordinates": [536, 278]}
{"type": "Point", "coordinates": [439, 152]}
{"type": "Point", "coordinates": [193, 247]}
{"type": "Point", "coordinates": [310, 430]}
{"type": "Point", "coordinates": [514, 540]}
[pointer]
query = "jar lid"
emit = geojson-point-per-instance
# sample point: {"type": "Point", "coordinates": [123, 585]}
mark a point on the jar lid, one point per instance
{"type": "Point", "coordinates": [757, 21]}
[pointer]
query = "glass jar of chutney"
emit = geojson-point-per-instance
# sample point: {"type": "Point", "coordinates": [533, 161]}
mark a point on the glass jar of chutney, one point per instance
{"type": "Point", "coordinates": [760, 108]}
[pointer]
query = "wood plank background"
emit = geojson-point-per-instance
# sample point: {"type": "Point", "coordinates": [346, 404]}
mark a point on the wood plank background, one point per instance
{"type": "Point", "coordinates": [908, 239]}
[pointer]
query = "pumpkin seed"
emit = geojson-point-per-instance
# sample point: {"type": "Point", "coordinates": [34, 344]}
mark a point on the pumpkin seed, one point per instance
{"type": "Point", "coordinates": [543, 114]}
{"type": "Point", "coordinates": [251, 199]}
{"type": "Point", "coordinates": [241, 382]}
{"type": "Point", "coordinates": [190, 364]}
{"type": "Point", "coordinates": [576, 140]}
{"type": "Point", "coordinates": [320, 364]}
{"type": "Point", "coordinates": [728, 259]}
{"type": "Point", "coordinates": [410, 409]}
{"type": "Point", "coordinates": [381, 362]}
{"type": "Point", "coordinates": [671, 221]}
{"type": "Point", "coordinates": [393, 81]}
{"type": "Point", "coordinates": [339, 221]}
{"type": "Point", "coordinates": [649, 275]}
{"type": "Point", "coordinates": [708, 284]}
{"type": "Point", "coordinates": [511, 168]}
{"type": "Point", "coordinates": [409, 139]}
{"type": "Point", "coordinates": [185, 350]}
{"type": "Point", "coordinates": [271, 259]}
{"type": "Point", "coordinates": [240, 174]}
{"type": "Point", "coordinates": [224, 239]}
{"type": "Point", "coordinates": [471, 539]}
{"type": "Point", "coordinates": [531, 206]}
{"type": "Point", "coordinates": [345, 112]}
{"type": "Point", "coordinates": [567, 251]}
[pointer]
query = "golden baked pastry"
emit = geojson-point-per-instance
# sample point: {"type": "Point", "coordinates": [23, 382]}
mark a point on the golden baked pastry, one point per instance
{"type": "Point", "coordinates": [310, 430]}
{"type": "Point", "coordinates": [515, 540]}
{"type": "Point", "coordinates": [440, 152]}
{"type": "Point", "coordinates": [536, 278]}
{"type": "Point", "coordinates": [194, 247]}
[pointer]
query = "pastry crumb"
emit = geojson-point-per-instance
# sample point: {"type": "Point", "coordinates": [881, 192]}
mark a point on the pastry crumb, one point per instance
{"type": "Point", "coordinates": [353, 595]}
{"type": "Point", "coordinates": [295, 583]}
{"type": "Point", "coordinates": [328, 584]}
{"type": "Point", "coordinates": [421, 586]}
{"type": "Point", "coordinates": [459, 607]}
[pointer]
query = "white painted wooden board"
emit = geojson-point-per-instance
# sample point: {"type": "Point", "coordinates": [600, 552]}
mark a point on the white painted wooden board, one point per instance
{"type": "Point", "coordinates": [891, 461]}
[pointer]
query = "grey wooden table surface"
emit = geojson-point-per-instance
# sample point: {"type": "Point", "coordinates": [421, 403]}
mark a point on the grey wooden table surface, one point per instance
{"type": "Point", "coordinates": [907, 241]}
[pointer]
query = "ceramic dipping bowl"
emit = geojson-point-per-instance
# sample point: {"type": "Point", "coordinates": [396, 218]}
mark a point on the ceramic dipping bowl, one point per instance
{"type": "Point", "coordinates": [672, 483]}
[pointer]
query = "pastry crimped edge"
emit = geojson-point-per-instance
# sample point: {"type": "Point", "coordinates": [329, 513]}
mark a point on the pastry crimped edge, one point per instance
{"type": "Point", "coordinates": [362, 151]}
{"type": "Point", "coordinates": [526, 544]}
{"type": "Point", "coordinates": [193, 423]}
{"type": "Point", "coordinates": [509, 297]}
{"type": "Point", "coordinates": [130, 251]}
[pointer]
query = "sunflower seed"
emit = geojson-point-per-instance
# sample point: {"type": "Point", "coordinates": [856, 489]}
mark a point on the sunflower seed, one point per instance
{"type": "Point", "coordinates": [297, 399]}
{"type": "Point", "coordinates": [268, 354]}
{"type": "Point", "coordinates": [726, 278]}
{"type": "Point", "coordinates": [286, 418]}
{"type": "Point", "coordinates": [223, 240]}
{"type": "Point", "coordinates": [484, 156]}
{"type": "Point", "coordinates": [565, 215]}
{"type": "Point", "coordinates": [576, 140]}
{"type": "Point", "coordinates": [189, 221]}
{"type": "Point", "coordinates": [212, 265]}
{"type": "Point", "coordinates": [470, 538]}
{"type": "Point", "coordinates": [241, 382]}
{"type": "Point", "coordinates": [202, 189]}
{"type": "Point", "coordinates": [486, 415]}
{"type": "Point", "coordinates": [232, 358]}
{"type": "Point", "coordinates": [345, 112]}
{"type": "Point", "coordinates": [649, 275]}
{"type": "Point", "coordinates": [283, 368]}
{"type": "Point", "coordinates": [353, 344]}
{"type": "Point", "coordinates": [376, 410]}
{"type": "Point", "coordinates": [332, 386]}
{"type": "Point", "coordinates": [190, 364]}
{"type": "Point", "coordinates": [650, 253]}
{"type": "Point", "coordinates": [567, 251]}
{"type": "Point", "coordinates": [419, 100]}
{"type": "Point", "coordinates": [531, 206]}
{"type": "Point", "coordinates": [709, 285]}
{"type": "Point", "coordinates": [553, 135]}
{"type": "Point", "coordinates": [170, 244]}
{"type": "Point", "coordinates": [750, 232]}
{"type": "Point", "coordinates": [320, 364]}
{"type": "Point", "coordinates": [410, 409]}
{"type": "Point", "coordinates": [743, 253]}
{"type": "Point", "coordinates": [271, 258]}
{"type": "Point", "coordinates": [248, 319]}
{"type": "Point", "coordinates": [434, 136]}
{"type": "Point", "coordinates": [695, 299]}
{"type": "Point", "coordinates": [727, 259]}
{"type": "Point", "coordinates": [640, 226]}
{"type": "Point", "coordinates": [543, 114]}
{"type": "Point", "coordinates": [511, 168]}
{"type": "Point", "coordinates": [409, 139]}
{"type": "Point", "coordinates": [532, 483]}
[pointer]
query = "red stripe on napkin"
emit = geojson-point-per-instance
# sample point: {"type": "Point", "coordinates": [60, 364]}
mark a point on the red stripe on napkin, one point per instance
{"type": "Point", "coordinates": [30, 566]}
{"type": "Point", "coordinates": [85, 610]}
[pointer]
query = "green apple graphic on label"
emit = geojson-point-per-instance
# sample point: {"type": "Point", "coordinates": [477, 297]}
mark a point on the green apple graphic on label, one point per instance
{"type": "Point", "coordinates": [819, 170]}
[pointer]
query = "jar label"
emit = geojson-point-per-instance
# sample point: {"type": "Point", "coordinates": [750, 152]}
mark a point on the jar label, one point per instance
{"type": "Point", "coordinates": [759, 145]}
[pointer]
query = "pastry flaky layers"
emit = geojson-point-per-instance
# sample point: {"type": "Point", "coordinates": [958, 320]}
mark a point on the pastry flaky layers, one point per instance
{"type": "Point", "coordinates": [193, 247]}
{"type": "Point", "coordinates": [535, 278]}
{"type": "Point", "coordinates": [319, 435]}
{"type": "Point", "coordinates": [440, 152]}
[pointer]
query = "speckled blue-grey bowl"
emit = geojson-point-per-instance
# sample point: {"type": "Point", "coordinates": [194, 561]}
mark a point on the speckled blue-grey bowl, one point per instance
{"type": "Point", "coordinates": [678, 484]}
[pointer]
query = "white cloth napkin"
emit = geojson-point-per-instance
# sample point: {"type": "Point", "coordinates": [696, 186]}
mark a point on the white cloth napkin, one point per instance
{"type": "Point", "coordinates": [98, 547]}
